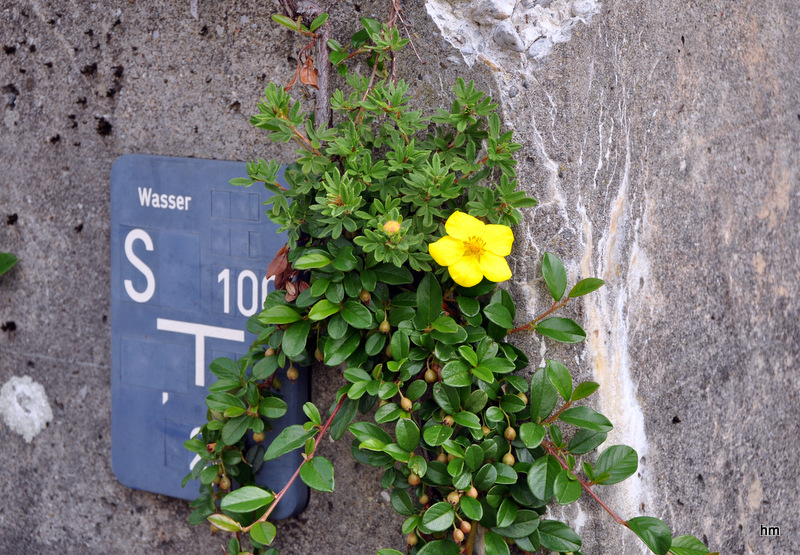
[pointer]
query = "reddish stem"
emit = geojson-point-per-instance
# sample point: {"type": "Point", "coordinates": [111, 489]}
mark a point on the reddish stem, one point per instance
{"type": "Point", "coordinates": [297, 472]}
{"type": "Point", "coordinates": [551, 449]}
{"type": "Point", "coordinates": [542, 316]}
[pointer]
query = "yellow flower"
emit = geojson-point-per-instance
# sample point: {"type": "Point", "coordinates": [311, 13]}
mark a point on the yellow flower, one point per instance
{"type": "Point", "coordinates": [472, 250]}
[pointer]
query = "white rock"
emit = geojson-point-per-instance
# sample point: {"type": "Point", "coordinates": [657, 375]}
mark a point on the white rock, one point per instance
{"type": "Point", "coordinates": [507, 37]}
{"type": "Point", "coordinates": [584, 8]}
{"type": "Point", "coordinates": [540, 48]}
{"type": "Point", "coordinates": [490, 11]}
{"type": "Point", "coordinates": [24, 407]}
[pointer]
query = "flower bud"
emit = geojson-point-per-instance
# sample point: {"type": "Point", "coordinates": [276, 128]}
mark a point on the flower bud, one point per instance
{"type": "Point", "coordinates": [391, 227]}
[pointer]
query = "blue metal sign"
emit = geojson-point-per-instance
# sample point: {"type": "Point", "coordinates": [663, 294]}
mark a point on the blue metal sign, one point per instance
{"type": "Point", "coordinates": [188, 259]}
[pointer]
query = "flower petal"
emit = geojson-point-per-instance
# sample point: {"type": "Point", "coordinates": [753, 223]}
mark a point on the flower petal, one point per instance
{"type": "Point", "coordinates": [463, 226]}
{"type": "Point", "coordinates": [494, 267]}
{"type": "Point", "coordinates": [499, 239]}
{"type": "Point", "coordinates": [447, 251]}
{"type": "Point", "coordinates": [467, 271]}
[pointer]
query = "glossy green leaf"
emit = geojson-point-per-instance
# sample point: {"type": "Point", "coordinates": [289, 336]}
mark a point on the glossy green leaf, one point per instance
{"type": "Point", "coordinates": [272, 407]}
{"type": "Point", "coordinates": [285, 21]}
{"type": "Point", "coordinates": [401, 502]}
{"type": "Point", "coordinates": [653, 532]}
{"type": "Point", "coordinates": [542, 476]}
{"type": "Point", "coordinates": [246, 499]}
{"type": "Point", "coordinates": [559, 376]}
{"type": "Point", "coordinates": [557, 536]}
{"type": "Point", "coordinates": [318, 22]}
{"type": "Point", "coordinates": [322, 309]}
{"type": "Point", "coordinates": [263, 532]}
{"type": "Point", "coordinates": [336, 352]}
{"type": "Point", "coordinates": [471, 508]}
{"type": "Point", "coordinates": [357, 315]}
{"type": "Point", "coordinates": [234, 429]}
{"type": "Point", "coordinates": [294, 339]}
{"type": "Point", "coordinates": [225, 368]}
{"type": "Point", "coordinates": [561, 329]}
{"type": "Point", "coordinates": [429, 299]}
{"type": "Point", "coordinates": [407, 434]}
{"type": "Point", "coordinates": [586, 440]}
{"type": "Point", "coordinates": [619, 461]}
{"type": "Point", "coordinates": [224, 523]}
{"type": "Point", "coordinates": [456, 374]}
{"type": "Point", "coordinates": [440, 547]}
{"type": "Point", "coordinates": [531, 434]}
{"type": "Point", "coordinates": [555, 275]}
{"type": "Point", "coordinates": [506, 512]}
{"type": "Point", "coordinates": [586, 286]}
{"type": "Point", "coordinates": [290, 438]}
{"type": "Point", "coordinates": [543, 396]}
{"type": "Point", "coordinates": [317, 473]}
{"type": "Point", "coordinates": [280, 314]}
{"type": "Point", "coordinates": [495, 544]}
{"type": "Point", "coordinates": [565, 489]}
{"type": "Point", "coordinates": [439, 517]}
{"type": "Point", "coordinates": [7, 261]}
{"type": "Point", "coordinates": [265, 367]}
{"type": "Point", "coordinates": [311, 260]}
{"type": "Point", "coordinates": [523, 526]}
{"type": "Point", "coordinates": [437, 434]}
{"type": "Point", "coordinates": [498, 314]}
{"type": "Point", "coordinates": [584, 389]}
{"type": "Point", "coordinates": [687, 545]}
{"type": "Point", "coordinates": [584, 417]}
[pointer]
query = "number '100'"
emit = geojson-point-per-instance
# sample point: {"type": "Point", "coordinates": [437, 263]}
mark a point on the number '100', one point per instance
{"type": "Point", "coordinates": [247, 306]}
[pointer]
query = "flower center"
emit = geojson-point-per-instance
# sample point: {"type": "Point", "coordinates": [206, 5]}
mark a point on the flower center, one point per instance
{"type": "Point", "coordinates": [475, 245]}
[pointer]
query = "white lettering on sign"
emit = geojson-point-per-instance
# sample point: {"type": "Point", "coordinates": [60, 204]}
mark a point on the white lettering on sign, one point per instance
{"type": "Point", "coordinates": [200, 332]}
{"type": "Point", "coordinates": [155, 200]}
{"type": "Point", "coordinates": [150, 288]}
{"type": "Point", "coordinates": [224, 277]}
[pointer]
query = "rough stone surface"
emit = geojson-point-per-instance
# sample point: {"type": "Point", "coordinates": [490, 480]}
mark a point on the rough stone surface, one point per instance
{"type": "Point", "coordinates": [661, 140]}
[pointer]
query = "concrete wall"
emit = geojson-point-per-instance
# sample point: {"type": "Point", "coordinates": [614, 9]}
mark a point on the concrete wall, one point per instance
{"type": "Point", "coordinates": [661, 140]}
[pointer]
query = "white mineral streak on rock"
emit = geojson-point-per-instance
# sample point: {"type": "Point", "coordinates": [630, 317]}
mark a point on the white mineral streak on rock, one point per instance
{"type": "Point", "coordinates": [608, 328]}
{"type": "Point", "coordinates": [496, 31]}
{"type": "Point", "coordinates": [24, 407]}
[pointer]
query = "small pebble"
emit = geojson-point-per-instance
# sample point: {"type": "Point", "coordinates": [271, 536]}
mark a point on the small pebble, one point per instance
{"type": "Point", "coordinates": [507, 37]}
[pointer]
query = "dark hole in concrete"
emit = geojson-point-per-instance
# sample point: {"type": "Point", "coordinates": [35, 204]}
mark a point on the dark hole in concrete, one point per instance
{"type": "Point", "coordinates": [8, 49]}
{"type": "Point", "coordinates": [48, 64]}
{"type": "Point", "coordinates": [32, 48]}
{"type": "Point", "coordinates": [103, 127]}
{"type": "Point", "coordinates": [676, 420]}
{"type": "Point", "coordinates": [78, 228]}
{"type": "Point", "coordinates": [89, 69]}
{"type": "Point", "coordinates": [11, 219]}
{"type": "Point", "coordinates": [81, 101]}
{"type": "Point", "coordinates": [11, 325]}
{"type": "Point", "coordinates": [204, 31]}
{"type": "Point", "coordinates": [118, 71]}
{"type": "Point", "coordinates": [55, 138]}
{"type": "Point", "coordinates": [89, 33]}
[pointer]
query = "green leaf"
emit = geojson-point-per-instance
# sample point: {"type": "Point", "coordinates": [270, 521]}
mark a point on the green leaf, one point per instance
{"type": "Point", "coordinates": [557, 536]}
{"type": "Point", "coordinates": [586, 440]}
{"type": "Point", "coordinates": [559, 376]}
{"type": "Point", "coordinates": [225, 368]}
{"type": "Point", "coordinates": [234, 429]}
{"type": "Point", "coordinates": [265, 367]}
{"type": "Point", "coordinates": [619, 461]}
{"type": "Point", "coordinates": [543, 395]}
{"type": "Point", "coordinates": [495, 544]}
{"type": "Point", "coordinates": [336, 352]}
{"type": "Point", "coordinates": [439, 517]}
{"type": "Point", "coordinates": [290, 438]}
{"type": "Point", "coordinates": [312, 412]}
{"type": "Point", "coordinates": [555, 275]}
{"type": "Point", "coordinates": [246, 499]}
{"type": "Point", "coordinates": [456, 374]}
{"type": "Point", "coordinates": [318, 22]}
{"type": "Point", "coordinates": [392, 275]}
{"type": "Point", "coordinates": [221, 401]}
{"type": "Point", "coordinates": [486, 477]}
{"type": "Point", "coordinates": [584, 417]}
{"type": "Point", "coordinates": [437, 434]}
{"type": "Point", "coordinates": [357, 315]}
{"type": "Point", "coordinates": [507, 512]}
{"type": "Point", "coordinates": [583, 390]}
{"type": "Point", "coordinates": [473, 456]}
{"type": "Point", "coordinates": [524, 525]}
{"type": "Point", "coordinates": [542, 476]}
{"type": "Point", "coordinates": [317, 473]}
{"type": "Point", "coordinates": [653, 532]}
{"type": "Point", "coordinates": [440, 547]}
{"type": "Point", "coordinates": [561, 329]}
{"type": "Point", "coordinates": [445, 324]}
{"type": "Point", "coordinates": [294, 339]}
{"type": "Point", "coordinates": [401, 502]}
{"type": "Point", "coordinates": [224, 523]}
{"type": "Point", "coordinates": [400, 345]}
{"type": "Point", "coordinates": [483, 373]}
{"type": "Point", "coordinates": [565, 489]}
{"type": "Point", "coordinates": [468, 420]}
{"type": "Point", "coordinates": [429, 299]}
{"type": "Point", "coordinates": [407, 434]}
{"type": "Point", "coordinates": [418, 465]}
{"type": "Point", "coordinates": [322, 309]}
{"type": "Point", "coordinates": [311, 260]}
{"type": "Point", "coordinates": [469, 354]}
{"type": "Point", "coordinates": [498, 314]}
{"type": "Point", "coordinates": [7, 261]}
{"type": "Point", "coordinates": [285, 21]}
{"type": "Point", "coordinates": [263, 532]}
{"type": "Point", "coordinates": [687, 545]}
{"type": "Point", "coordinates": [280, 314]}
{"type": "Point", "coordinates": [586, 286]}
{"type": "Point", "coordinates": [531, 434]}
{"type": "Point", "coordinates": [272, 407]}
